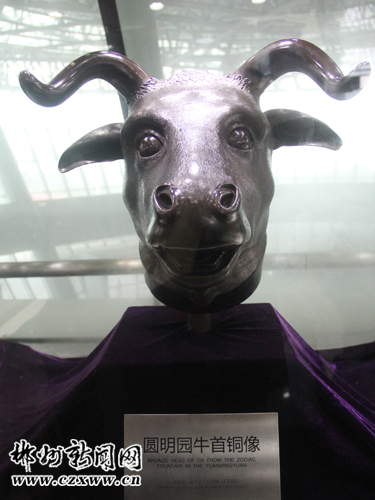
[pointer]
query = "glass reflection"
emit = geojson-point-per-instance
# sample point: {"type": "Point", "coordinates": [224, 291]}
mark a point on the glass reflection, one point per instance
{"type": "Point", "coordinates": [324, 201]}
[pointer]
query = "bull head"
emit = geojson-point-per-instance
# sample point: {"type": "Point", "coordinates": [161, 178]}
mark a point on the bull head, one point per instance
{"type": "Point", "coordinates": [197, 149]}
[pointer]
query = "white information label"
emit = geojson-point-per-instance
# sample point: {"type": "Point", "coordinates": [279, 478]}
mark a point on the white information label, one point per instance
{"type": "Point", "coordinates": [207, 456]}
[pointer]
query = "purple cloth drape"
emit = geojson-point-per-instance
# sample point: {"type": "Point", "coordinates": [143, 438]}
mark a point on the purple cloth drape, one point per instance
{"type": "Point", "coordinates": [251, 361]}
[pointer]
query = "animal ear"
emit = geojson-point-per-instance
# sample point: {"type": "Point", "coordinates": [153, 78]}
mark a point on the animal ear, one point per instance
{"type": "Point", "coordinates": [292, 128]}
{"type": "Point", "coordinates": [102, 144]}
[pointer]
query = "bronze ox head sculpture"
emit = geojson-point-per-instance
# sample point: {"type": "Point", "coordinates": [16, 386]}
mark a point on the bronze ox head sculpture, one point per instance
{"type": "Point", "coordinates": [197, 149]}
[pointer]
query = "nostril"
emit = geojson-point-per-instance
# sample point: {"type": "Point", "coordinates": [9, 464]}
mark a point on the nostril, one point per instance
{"type": "Point", "coordinates": [227, 197]}
{"type": "Point", "coordinates": [164, 199]}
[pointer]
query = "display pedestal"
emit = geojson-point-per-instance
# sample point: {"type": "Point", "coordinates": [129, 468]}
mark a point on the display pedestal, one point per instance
{"type": "Point", "coordinates": [251, 361]}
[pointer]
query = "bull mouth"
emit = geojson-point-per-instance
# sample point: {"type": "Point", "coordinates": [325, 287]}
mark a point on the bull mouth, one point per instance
{"type": "Point", "coordinates": [198, 262]}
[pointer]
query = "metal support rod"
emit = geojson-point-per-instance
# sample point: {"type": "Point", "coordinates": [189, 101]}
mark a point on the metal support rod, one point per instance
{"type": "Point", "coordinates": [200, 323]}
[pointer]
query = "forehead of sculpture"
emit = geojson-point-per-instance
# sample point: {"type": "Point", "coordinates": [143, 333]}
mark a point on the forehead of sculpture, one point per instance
{"type": "Point", "coordinates": [193, 77]}
{"type": "Point", "coordinates": [190, 88]}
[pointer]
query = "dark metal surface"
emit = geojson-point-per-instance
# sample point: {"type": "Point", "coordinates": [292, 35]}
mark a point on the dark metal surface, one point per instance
{"type": "Point", "coordinates": [197, 147]}
{"type": "Point", "coordinates": [125, 75]}
{"type": "Point", "coordinates": [297, 55]}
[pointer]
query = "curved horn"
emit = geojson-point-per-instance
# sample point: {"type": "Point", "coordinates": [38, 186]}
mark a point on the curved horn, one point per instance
{"type": "Point", "coordinates": [125, 75]}
{"type": "Point", "coordinates": [285, 56]}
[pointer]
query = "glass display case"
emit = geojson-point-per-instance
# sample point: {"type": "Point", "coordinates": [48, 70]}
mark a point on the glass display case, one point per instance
{"type": "Point", "coordinates": [69, 257]}
{"type": "Point", "coordinates": [319, 259]}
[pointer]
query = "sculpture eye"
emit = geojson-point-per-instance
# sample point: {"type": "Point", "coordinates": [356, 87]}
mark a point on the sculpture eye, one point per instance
{"type": "Point", "coordinates": [148, 145]}
{"type": "Point", "coordinates": [240, 138]}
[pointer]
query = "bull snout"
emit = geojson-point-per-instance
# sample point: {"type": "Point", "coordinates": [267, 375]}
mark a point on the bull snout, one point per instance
{"type": "Point", "coordinates": [196, 231]}
{"type": "Point", "coordinates": [224, 200]}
